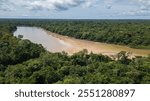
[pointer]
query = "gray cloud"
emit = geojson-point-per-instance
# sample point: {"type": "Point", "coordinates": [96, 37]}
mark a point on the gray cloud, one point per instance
{"type": "Point", "coordinates": [140, 7]}
{"type": "Point", "coordinates": [6, 5]}
{"type": "Point", "coordinates": [56, 4]}
{"type": "Point", "coordinates": [38, 5]}
{"type": "Point", "coordinates": [109, 3]}
{"type": "Point", "coordinates": [3, 5]}
{"type": "Point", "coordinates": [143, 8]}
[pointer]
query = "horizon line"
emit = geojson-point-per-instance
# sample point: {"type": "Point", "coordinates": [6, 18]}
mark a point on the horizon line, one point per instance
{"type": "Point", "coordinates": [78, 18]}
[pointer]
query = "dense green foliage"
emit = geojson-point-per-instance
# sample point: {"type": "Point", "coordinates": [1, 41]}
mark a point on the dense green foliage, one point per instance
{"type": "Point", "coordinates": [24, 62]}
{"type": "Point", "coordinates": [134, 33]}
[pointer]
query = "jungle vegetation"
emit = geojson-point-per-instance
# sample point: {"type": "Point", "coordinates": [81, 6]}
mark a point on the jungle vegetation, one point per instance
{"type": "Point", "coordinates": [22, 61]}
{"type": "Point", "coordinates": [133, 33]}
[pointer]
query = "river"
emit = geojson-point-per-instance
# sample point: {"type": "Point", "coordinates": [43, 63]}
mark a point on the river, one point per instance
{"type": "Point", "coordinates": [57, 43]}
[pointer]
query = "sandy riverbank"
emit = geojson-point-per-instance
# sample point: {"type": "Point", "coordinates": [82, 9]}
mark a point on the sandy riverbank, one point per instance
{"type": "Point", "coordinates": [76, 45]}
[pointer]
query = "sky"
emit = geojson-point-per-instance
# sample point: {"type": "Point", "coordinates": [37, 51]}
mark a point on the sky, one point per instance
{"type": "Point", "coordinates": [75, 9]}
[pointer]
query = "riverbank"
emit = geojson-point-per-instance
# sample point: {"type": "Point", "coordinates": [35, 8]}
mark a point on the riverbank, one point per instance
{"type": "Point", "coordinates": [54, 42]}
{"type": "Point", "coordinates": [77, 45]}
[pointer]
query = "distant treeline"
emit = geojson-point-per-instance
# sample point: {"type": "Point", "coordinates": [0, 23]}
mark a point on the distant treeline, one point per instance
{"type": "Point", "coordinates": [134, 33]}
{"type": "Point", "coordinates": [24, 62]}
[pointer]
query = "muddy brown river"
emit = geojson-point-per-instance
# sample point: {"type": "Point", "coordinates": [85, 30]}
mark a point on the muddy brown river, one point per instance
{"type": "Point", "coordinates": [57, 43]}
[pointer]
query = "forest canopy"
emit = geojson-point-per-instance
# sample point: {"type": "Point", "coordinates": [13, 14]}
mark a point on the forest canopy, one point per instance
{"type": "Point", "coordinates": [133, 33]}
{"type": "Point", "coordinates": [22, 61]}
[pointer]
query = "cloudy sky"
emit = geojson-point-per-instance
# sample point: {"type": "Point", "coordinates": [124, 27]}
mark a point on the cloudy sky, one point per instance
{"type": "Point", "coordinates": [75, 9]}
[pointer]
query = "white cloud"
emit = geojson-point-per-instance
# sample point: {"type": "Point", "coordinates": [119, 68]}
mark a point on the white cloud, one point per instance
{"type": "Point", "coordinates": [4, 6]}
{"type": "Point", "coordinates": [109, 3]}
{"type": "Point", "coordinates": [124, 7]}
{"type": "Point", "coordinates": [60, 4]}
{"type": "Point", "coordinates": [49, 4]}
{"type": "Point", "coordinates": [143, 8]}
{"type": "Point", "coordinates": [89, 3]}
{"type": "Point", "coordinates": [140, 7]}
{"type": "Point", "coordinates": [144, 4]}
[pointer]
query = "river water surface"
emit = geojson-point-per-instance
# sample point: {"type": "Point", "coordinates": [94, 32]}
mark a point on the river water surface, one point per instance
{"type": "Point", "coordinates": [38, 35]}
{"type": "Point", "coordinates": [58, 43]}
